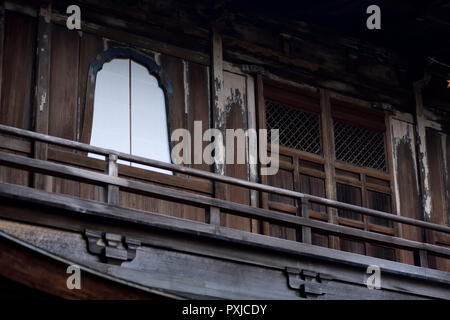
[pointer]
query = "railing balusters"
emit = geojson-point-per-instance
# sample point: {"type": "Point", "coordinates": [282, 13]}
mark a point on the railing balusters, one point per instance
{"type": "Point", "coordinates": [111, 169]}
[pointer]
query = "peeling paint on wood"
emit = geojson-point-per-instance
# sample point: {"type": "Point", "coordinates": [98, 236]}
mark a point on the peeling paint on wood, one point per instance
{"type": "Point", "coordinates": [218, 105]}
{"type": "Point", "coordinates": [402, 133]}
{"type": "Point", "coordinates": [422, 152]}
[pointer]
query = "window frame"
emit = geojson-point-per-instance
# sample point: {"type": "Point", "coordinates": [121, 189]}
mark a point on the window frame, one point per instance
{"type": "Point", "coordinates": [85, 112]}
{"type": "Point", "coordinates": [110, 54]}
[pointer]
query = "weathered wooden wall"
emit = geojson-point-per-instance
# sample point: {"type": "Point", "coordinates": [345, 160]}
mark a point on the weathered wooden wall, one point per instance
{"type": "Point", "coordinates": [184, 59]}
{"type": "Point", "coordinates": [17, 86]}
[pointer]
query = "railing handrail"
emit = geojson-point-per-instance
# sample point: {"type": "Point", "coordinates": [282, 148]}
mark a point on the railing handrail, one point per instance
{"type": "Point", "coordinates": [219, 178]}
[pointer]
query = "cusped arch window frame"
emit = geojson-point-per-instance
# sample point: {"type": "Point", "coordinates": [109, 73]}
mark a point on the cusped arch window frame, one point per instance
{"type": "Point", "coordinates": [96, 65]}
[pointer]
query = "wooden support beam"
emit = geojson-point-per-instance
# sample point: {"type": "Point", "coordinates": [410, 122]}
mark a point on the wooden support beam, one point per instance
{"type": "Point", "coordinates": [43, 90]}
{"type": "Point", "coordinates": [328, 153]}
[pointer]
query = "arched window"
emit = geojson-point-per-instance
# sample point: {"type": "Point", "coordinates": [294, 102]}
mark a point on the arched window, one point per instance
{"type": "Point", "coordinates": [129, 113]}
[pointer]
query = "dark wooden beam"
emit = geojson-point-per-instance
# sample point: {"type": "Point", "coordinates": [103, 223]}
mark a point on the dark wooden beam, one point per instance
{"type": "Point", "coordinates": [82, 209]}
{"type": "Point", "coordinates": [25, 266]}
{"type": "Point", "coordinates": [132, 216]}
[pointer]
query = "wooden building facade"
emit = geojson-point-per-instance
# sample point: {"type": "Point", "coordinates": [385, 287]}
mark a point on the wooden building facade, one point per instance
{"type": "Point", "coordinates": [364, 156]}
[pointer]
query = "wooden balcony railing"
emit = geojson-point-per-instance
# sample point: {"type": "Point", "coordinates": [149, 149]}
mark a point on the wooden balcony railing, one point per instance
{"type": "Point", "coordinates": [112, 184]}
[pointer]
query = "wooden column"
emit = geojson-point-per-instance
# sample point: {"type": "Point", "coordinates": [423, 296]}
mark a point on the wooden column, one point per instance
{"type": "Point", "coordinates": [422, 158]}
{"type": "Point", "coordinates": [43, 90]}
{"type": "Point", "coordinates": [328, 153]}
{"type": "Point", "coordinates": [422, 149]}
{"type": "Point", "coordinates": [394, 195]}
{"type": "Point", "coordinates": [217, 103]}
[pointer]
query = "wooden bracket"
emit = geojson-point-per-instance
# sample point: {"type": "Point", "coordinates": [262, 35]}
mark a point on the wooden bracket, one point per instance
{"type": "Point", "coordinates": [309, 283]}
{"type": "Point", "coordinates": [112, 248]}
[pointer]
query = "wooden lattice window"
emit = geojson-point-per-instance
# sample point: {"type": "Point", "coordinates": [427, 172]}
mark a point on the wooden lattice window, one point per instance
{"type": "Point", "coordinates": [298, 129]}
{"type": "Point", "coordinates": [359, 146]}
{"type": "Point", "coordinates": [335, 148]}
{"type": "Point", "coordinates": [297, 115]}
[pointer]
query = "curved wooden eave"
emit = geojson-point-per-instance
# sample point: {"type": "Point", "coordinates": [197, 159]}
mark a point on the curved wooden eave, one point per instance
{"type": "Point", "coordinates": [39, 269]}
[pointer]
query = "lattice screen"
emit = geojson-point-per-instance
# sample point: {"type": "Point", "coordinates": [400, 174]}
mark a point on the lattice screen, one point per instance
{"type": "Point", "coordinates": [298, 130]}
{"type": "Point", "coordinates": [359, 146]}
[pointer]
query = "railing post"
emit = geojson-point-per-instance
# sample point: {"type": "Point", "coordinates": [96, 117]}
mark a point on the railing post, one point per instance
{"type": "Point", "coordinates": [421, 257]}
{"type": "Point", "coordinates": [111, 169]}
{"type": "Point", "coordinates": [303, 211]}
{"type": "Point", "coordinates": [214, 216]}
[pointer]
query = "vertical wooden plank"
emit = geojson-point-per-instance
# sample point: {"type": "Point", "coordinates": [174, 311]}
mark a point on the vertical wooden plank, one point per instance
{"type": "Point", "coordinates": [198, 106]}
{"type": "Point", "coordinates": [283, 179]}
{"type": "Point", "coordinates": [447, 173]}
{"type": "Point", "coordinates": [18, 57]}
{"type": "Point", "coordinates": [349, 194]}
{"type": "Point", "coordinates": [328, 154]}
{"type": "Point", "coordinates": [64, 83]}
{"type": "Point", "coordinates": [198, 109]}
{"type": "Point", "coordinates": [234, 87]}
{"type": "Point", "coordinates": [439, 196]}
{"type": "Point", "coordinates": [63, 99]}
{"type": "Point", "coordinates": [43, 90]}
{"type": "Point", "coordinates": [17, 54]}
{"type": "Point", "coordinates": [406, 181]}
{"type": "Point", "coordinates": [437, 176]}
